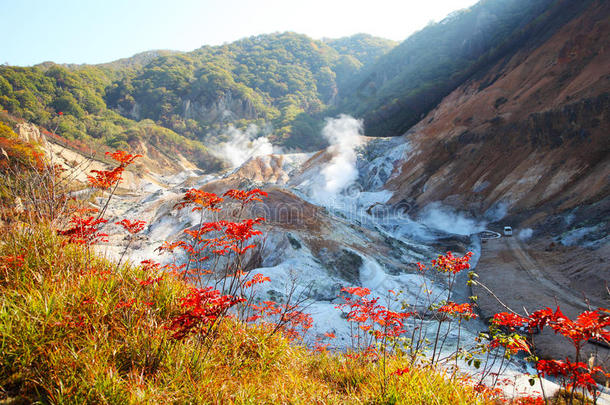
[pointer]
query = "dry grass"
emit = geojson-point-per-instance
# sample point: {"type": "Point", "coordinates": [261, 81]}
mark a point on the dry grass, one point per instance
{"type": "Point", "coordinates": [68, 336]}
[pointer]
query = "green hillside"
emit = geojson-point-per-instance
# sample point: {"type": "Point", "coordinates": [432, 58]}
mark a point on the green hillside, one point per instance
{"type": "Point", "coordinates": [285, 80]}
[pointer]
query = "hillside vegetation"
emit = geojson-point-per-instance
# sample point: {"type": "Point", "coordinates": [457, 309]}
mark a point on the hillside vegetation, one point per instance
{"type": "Point", "coordinates": [82, 330]}
{"type": "Point", "coordinates": [279, 81]}
{"type": "Point", "coordinates": [285, 83]}
{"type": "Point", "coordinates": [70, 103]}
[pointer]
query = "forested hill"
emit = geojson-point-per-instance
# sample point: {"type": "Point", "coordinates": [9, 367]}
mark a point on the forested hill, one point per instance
{"type": "Point", "coordinates": [280, 79]}
{"type": "Point", "coordinates": [282, 82]}
{"type": "Point", "coordinates": [285, 83]}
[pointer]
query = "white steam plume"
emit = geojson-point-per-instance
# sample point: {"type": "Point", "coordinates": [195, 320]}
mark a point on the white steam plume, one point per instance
{"type": "Point", "coordinates": [243, 145]}
{"type": "Point", "coordinates": [446, 219]}
{"type": "Point", "coordinates": [497, 211]}
{"type": "Point", "coordinates": [343, 134]}
{"type": "Point", "coordinates": [525, 234]}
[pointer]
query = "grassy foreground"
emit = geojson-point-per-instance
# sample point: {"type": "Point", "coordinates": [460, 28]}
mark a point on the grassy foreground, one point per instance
{"type": "Point", "coordinates": [75, 329]}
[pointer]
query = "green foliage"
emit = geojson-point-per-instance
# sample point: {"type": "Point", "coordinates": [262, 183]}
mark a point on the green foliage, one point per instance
{"type": "Point", "coordinates": [39, 93]}
{"type": "Point", "coordinates": [67, 103]}
{"type": "Point", "coordinates": [5, 86]}
{"type": "Point", "coordinates": [355, 52]}
{"type": "Point", "coordinates": [274, 79]}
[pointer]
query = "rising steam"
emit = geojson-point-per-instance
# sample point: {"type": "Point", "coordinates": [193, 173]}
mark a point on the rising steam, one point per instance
{"type": "Point", "coordinates": [243, 145]}
{"type": "Point", "coordinates": [525, 233]}
{"type": "Point", "coordinates": [343, 135]}
{"type": "Point", "coordinates": [447, 219]}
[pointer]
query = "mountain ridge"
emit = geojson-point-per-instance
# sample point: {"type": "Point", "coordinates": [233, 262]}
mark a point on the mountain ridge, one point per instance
{"type": "Point", "coordinates": [280, 79]}
{"type": "Point", "coordinates": [284, 83]}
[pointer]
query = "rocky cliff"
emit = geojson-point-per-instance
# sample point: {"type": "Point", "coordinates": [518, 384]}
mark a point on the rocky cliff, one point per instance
{"type": "Point", "coordinates": [530, 134]}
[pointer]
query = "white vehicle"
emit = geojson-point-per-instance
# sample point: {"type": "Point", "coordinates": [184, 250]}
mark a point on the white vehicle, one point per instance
{"type": "Point", "coordinates": [508, 231]}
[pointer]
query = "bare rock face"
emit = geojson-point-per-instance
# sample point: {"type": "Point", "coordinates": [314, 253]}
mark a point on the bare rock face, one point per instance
{"type": "Point", "coordinates": [226, 108]}
{"type": "Point", "coordinates": [530, 132]}
{"type": "Point", "coordinates": [29, 132]}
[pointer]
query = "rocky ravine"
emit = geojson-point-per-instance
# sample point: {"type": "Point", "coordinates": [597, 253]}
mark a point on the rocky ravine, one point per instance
{"type": "Point", "coordinates": [356, 238]}
{"type": "Point", "coordinates": [527, 144]}
{"type": "Point", "coordinates": [362, 235]}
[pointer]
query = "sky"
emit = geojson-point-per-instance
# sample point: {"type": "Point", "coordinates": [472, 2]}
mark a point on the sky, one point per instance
{"type": "Point", "coordinates": [97, 31]}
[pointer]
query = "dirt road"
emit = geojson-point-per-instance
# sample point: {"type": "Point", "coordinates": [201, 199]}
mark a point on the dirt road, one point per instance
{"type": "Point", "coordinates": [532, 268]}
{"type": "Point", "coordinates": [526, 278]}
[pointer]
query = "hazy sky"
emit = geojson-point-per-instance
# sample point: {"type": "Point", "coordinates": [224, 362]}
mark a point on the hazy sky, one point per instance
{"type": "Point", "coordinates": [95, 31]}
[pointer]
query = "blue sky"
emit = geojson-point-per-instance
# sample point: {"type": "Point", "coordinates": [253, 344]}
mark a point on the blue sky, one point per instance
{"type": "Point", "coordinates": [96, 31]}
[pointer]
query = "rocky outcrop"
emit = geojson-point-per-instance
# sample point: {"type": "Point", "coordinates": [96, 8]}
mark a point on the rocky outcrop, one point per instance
{"type": "Point", "coordinates": [29, 132]}
{"type": "Point", "coordinates": [226, 108]}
